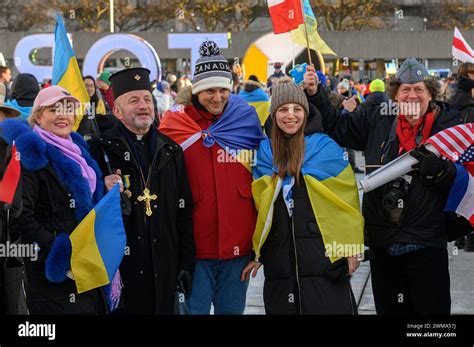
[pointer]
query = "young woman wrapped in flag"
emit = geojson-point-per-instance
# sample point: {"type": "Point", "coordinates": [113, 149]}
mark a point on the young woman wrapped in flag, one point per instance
{"type": "Point", "coordinates": [309, 230]}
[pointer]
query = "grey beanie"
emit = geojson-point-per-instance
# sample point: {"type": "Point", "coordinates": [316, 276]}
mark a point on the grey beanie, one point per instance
{"type": "Point", "coordinates": [286, 91]}
{"type": "Point", "coordinates": [344, 84]}
{"type": "Point", "coordinates": [412, 71]}
{"type": "Point", "coordinates": [212, 69]}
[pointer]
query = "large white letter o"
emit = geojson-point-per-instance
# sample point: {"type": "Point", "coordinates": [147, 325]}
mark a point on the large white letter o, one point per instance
{"type": "Point", "coordinates": [102, 49]}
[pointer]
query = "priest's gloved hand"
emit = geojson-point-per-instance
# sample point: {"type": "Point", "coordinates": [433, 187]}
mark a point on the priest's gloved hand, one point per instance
{"type": "Point", "coordinates": [430, 166]}
{"type": "Point", "coordinates": [185, 282]}
{"type": "Point", "coordinates": [58, 261]}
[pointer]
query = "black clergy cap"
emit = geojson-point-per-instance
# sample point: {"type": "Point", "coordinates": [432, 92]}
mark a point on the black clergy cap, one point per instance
{"type": "Point", "coordinates": [124, 81]}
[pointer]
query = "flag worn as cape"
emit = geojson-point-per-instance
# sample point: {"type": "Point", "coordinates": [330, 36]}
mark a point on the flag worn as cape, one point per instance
{"type": "Point", "coordinates": [237, 131]}
{"type": "Point", "coordinates": [332, 191]}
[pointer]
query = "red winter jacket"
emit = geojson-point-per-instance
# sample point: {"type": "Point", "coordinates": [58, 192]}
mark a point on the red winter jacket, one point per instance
{"type": "Point", "coordinates": [108, 96]}
{"type": "Point", "coordinates": [224, 214]}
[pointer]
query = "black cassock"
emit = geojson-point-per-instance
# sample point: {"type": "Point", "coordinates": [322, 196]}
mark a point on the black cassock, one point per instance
{"type": "Point", "coordinates": [160, 244]}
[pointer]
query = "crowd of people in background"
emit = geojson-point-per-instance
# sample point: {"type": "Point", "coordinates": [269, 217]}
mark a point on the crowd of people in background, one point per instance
{"type": "Point", "coordinates": [228, 204]}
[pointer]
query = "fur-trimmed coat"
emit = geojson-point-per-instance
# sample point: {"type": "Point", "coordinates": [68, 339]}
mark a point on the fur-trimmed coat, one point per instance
{"type": "Point", "coordinates": [55, 199]}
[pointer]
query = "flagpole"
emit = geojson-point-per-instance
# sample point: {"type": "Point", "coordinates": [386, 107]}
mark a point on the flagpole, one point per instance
{"type": "Point", "coordinates": [306, 33]}
{"type": "Point", "coordinates": [293, 45]}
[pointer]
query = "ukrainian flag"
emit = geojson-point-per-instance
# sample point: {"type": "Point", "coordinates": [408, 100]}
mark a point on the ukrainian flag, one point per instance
{"type": "Point", "coordinates": [260, 100]}
{"type": "Point", "coordinates": [332, 191]}
{"type": "Point", "coordinates": [66, 71]}
{"type": "Point", "coordinates": [98, 244]}
{"type": "Point", "coordinates": [316, 43]}
{"type": "Point", "coordinates": [238, 131]}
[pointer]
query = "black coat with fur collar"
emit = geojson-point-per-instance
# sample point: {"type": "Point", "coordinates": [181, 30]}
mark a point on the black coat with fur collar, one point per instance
{"type": "Point", "coordinates": [55, 199]}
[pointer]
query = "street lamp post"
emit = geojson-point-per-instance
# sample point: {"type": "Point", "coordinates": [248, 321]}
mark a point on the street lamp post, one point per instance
{"type": "Point", "coordinates": [111, 6]}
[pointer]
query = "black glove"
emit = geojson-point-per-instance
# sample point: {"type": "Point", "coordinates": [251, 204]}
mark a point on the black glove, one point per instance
{"type": "Point", "coordinates": [337, 271]}
{"type": "Point", "coordinates": [184, 283]}
{"type": "Point", "coordinates": [431, 167]}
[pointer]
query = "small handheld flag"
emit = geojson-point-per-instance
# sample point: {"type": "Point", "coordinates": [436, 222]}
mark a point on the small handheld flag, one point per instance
{"type": "Point", "coordinates": [457, 144]}
{"type": "Point", "coordinates": [286, 15]}
{"type": "Point", "coordinates": [307, 33]}
{"type": "Point", "coordinates": [98, 244]}
{"type": "Point", "coordinates": [10, 179]}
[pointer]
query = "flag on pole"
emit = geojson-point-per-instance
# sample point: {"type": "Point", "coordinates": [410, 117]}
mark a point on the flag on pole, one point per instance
{"type": "Point", "coordinates": [10, 179]}
{"type": "Point", "coordinates": [66, 71]}
{"type": "Point", "coordinates": [315, 41]}
{"type": "Point", "coordinates": [461, 49]}
{"type": "Point", "coordinates": [457, 144]}
{"type": "Point", "coordinates": [286, 15]}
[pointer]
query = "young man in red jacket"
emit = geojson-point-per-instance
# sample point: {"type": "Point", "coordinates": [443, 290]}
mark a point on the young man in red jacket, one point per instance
{"type": "Point", "coordinates": [217, 132]}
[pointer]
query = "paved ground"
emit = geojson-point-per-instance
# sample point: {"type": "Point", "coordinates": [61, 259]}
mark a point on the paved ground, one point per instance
{"type": "Point", "coordinates": [462, 283]}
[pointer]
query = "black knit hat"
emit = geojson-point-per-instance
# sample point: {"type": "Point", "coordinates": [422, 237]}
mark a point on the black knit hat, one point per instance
{"type": "Point", "coordinates": [130, 79]}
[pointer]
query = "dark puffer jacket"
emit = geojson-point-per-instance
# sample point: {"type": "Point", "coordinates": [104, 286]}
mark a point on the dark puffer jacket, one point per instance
{"type": "Point", "coordinates": [299, 278]}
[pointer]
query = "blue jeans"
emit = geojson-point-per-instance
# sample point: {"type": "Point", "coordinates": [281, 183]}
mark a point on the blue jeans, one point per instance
{"type": "Point", "coordinates": [218, 282]}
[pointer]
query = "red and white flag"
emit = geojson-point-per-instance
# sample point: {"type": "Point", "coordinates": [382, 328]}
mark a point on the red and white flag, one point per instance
{"type": "Point", "coordinates": [286, 15]}
{"type": "Point", "coordinates": [461, 49]}
{"type": "Point", "coordinates": [10, 178]}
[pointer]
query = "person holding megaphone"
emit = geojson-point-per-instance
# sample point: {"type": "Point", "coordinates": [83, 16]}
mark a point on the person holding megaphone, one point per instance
{"type": "Point", "coordinates": [405, 226]}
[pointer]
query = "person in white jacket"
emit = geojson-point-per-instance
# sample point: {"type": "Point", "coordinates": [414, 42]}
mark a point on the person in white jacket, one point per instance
{"type": "Point", "coordinates": [164, 100]}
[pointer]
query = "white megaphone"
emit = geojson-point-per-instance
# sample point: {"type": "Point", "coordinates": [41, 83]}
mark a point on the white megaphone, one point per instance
{"type": "Point", "coordinates": [392, 170]}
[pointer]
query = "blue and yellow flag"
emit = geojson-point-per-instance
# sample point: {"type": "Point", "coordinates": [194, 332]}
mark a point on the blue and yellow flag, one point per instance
{"type": "Point", "coordinates": [66, 71]}
{"type": "Point", "coordinates": [238, 131]}
{"type": "Point", "coordinates": [316, 43]}
{"type": "Point", "coordinates": [98, 244]}
{"type": "Point", "coordinates": [332, 191]}
{"type": "Point", "coordinates": [260, 100]}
